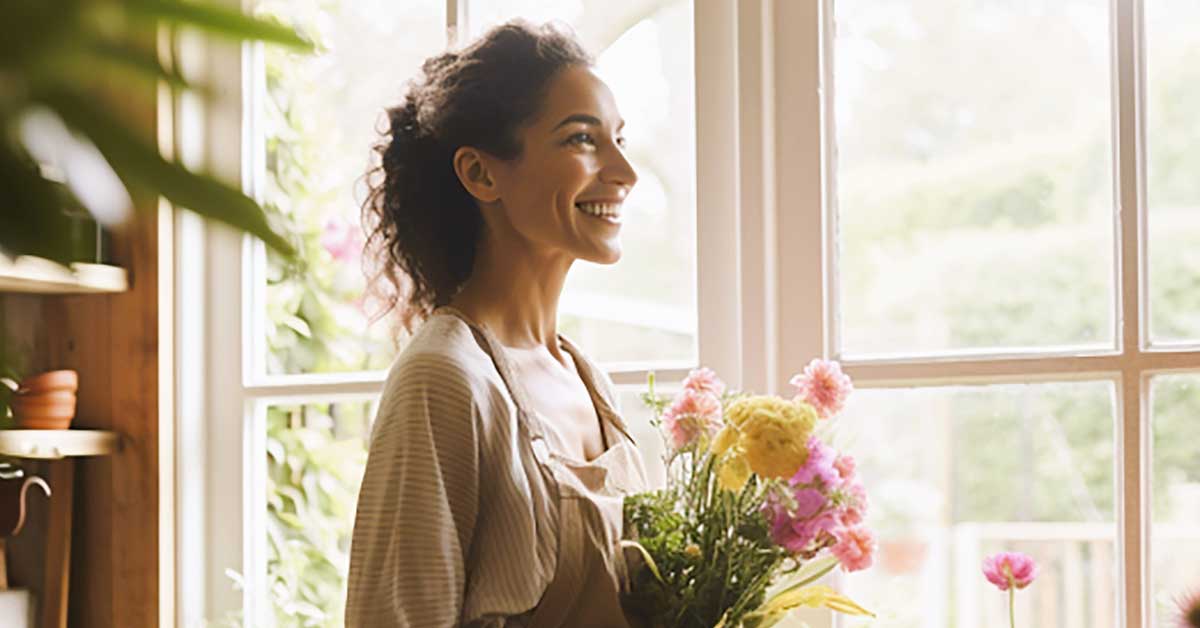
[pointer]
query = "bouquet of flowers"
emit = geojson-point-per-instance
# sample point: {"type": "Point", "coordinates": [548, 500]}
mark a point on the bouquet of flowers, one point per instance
{"type": "Point", "coordinates": [755, 498]}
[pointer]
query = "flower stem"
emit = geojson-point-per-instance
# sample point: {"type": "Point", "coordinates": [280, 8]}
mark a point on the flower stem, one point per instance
{"type": "Point", "coordinates": [1012, 616]}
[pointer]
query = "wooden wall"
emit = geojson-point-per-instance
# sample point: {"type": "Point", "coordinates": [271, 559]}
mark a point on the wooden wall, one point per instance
{"type": "Point", "coordinates": [122, 548]}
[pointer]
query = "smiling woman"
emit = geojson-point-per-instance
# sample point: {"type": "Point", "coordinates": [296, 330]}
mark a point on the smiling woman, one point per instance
{"type": "Point", "coordinates": [498, 463]}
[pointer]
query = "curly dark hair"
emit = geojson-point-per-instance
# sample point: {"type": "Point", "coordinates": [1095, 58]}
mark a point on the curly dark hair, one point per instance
{"type": "Point", "coordinates": [422, 225]}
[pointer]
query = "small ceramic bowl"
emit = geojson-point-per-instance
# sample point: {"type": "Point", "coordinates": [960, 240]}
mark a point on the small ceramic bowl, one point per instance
{"type": "Point", "coordinates": [64, 380]}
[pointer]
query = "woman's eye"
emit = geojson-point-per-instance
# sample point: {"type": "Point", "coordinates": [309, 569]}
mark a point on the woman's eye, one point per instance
{"type": "Point", "coordinates": [582, 138]}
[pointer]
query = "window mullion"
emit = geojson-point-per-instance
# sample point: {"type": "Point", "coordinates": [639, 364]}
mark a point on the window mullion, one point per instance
{"type": "Point", "coordinates": [756, 212]}
{"type": "Point", "coordinates": [1133, 489]}
{"type": "Point", "coordinates": [457, 21]}
{"type": "Point", "coordinates": [803, 261]}
{"type": "Point", "coordinates": [717, 266]}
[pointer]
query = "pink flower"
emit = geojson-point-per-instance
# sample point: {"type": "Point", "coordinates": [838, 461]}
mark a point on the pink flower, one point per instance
{"type": "Point", "coordinates": [818, 466]}
{"type": "Point", "coordinates": [845, 467]}
{"type": "Point", "coordinates": [855, 503]}
{"type": "Point", "coordinates": [342, 240]}
{"type": "Point", "coordinates": [801, 536]}
{"type": "Point", "coordinates": [1189, 610]}
{"type": "Point", "coordinates": [809, 502]}
{"type": "Point", "coordinates": [704, 380]}
{"type": "Point", "coordinates": [855, 548]}
{"type": "Point", "coordinates": [824, 386]}
{"type": "Point", "coordinates": [1009, 569]}
{"type": "Point", "coordinates": [691, 415]}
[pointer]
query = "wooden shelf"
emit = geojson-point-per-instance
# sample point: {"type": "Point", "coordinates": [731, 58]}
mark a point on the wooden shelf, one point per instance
{"type": "Point", "coordinates": [40, 276]}
{"type": "Point", "coordinates": [55, 444]}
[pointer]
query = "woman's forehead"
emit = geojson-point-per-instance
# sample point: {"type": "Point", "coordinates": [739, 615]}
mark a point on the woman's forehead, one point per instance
{"type": "Point", "coordinates": [578, 92]}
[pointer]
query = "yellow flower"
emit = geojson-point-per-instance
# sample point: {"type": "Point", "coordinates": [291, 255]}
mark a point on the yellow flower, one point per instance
{"type": "Point", "coordinates": [733, 473]}
{"type": "Point", "coordinates": [740, 410]}
{"type": "Point", "coordinates": [726, 438]}
{"type": "Point", "coordinates": [773, 434]}
{"type": "Point", "coordinates": [774, 448]}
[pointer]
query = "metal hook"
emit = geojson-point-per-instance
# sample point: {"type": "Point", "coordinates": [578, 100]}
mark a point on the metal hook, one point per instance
{"type": "Point", "coordinates": [29, 481]}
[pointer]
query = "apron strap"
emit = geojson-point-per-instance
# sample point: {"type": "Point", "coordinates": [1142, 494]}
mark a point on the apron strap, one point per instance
{"type": "Point", "coordinates": [495, 350]}
{"type": "Point", "coordinates": [527, 416]}
{"type": "Point", "coordinates": [590, 377]}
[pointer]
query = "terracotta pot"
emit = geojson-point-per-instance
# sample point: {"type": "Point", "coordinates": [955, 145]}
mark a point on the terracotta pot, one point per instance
{"type": "Point", "coordinates": [64, 380]}
{"type": "Point", "coordinates": [49, 397]}
{"type": "Point", "coordinates": [46, 411]}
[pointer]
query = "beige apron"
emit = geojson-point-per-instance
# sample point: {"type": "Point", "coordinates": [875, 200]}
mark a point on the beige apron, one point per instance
{"type": "Point", "coordinates": [591, 569]}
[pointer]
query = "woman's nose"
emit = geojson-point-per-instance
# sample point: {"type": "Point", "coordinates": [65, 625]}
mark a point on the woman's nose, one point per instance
{"type": "Point", "coordinates": [618, 170]}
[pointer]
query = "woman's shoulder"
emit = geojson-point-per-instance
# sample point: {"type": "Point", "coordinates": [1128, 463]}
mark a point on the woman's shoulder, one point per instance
{"type": "Point", "coordinates": [443, 355]}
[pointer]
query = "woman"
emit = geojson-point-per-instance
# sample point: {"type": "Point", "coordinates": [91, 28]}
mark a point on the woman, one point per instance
{"type": "Point", "coordinates": [494, 485]}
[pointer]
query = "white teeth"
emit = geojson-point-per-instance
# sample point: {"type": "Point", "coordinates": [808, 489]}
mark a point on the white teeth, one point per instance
{"type": "Point", "coordinates": [607, 210]}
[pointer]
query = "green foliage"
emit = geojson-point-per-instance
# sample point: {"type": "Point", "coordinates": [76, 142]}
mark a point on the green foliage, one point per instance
{"type": "Point", "coordinates": [57, 56]}
{"type": "Point", "coordinates": [316, 308]}
{"type": "Point", "coordinates": [314, 469]}
{"type": "Point", "coordinates": [1176, 407]}
{"type": "Point", "coordinates": [713, 554]}
{"type": "Point", "coordinates": [712, 549]}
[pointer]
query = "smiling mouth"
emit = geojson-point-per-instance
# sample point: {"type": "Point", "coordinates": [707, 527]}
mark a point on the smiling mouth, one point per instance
{"type": "Point", "coordinates": [608, 212]}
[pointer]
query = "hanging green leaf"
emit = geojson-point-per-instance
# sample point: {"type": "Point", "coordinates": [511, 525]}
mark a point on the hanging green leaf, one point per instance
{"type": "Point", "coordinates": [141, 61]}
{"type": "Point", "coordinates": [139, 163]}
{"type": "Point", "coordinates": [219, 21]}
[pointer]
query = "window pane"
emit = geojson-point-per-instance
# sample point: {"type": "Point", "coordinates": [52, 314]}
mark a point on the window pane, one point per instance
{"type": "Point", "coordinates": [640, 420]}
{"type": "Point", "coordinates": [959, 473]}
{"type": "Point", "coordinates": [642, 309]}
{"type": "Point", "coordinates": [1175, 535]}
{"type": "Point", "coordinates": [1173, 168]}
{"type": "Point", "coordinates": [974, 186]}
{"type": "Point", "coordinates": [316, 454]}
{"type": "Point", "coordinates": [322, 115]}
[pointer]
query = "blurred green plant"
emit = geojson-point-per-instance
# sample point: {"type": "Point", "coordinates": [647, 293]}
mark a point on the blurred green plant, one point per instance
{"type": "Point", "coordinates": [51, 52]}
{"type": "Point", "coordinates": [315, 457]}
{"type": "Point", "coordinates": [316, 312]}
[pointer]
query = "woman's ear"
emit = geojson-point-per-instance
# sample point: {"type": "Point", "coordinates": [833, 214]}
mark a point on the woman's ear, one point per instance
{"type": "Point", "coordinates": [471, 166]}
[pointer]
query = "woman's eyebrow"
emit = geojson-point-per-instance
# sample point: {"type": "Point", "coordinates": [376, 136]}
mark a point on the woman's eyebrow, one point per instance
{"type": "Point", "coordinates": [584, 118]}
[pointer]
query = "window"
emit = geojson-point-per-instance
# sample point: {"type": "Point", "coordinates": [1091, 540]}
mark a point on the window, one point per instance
{"type": "Point", "coordinates": [988, 294]}
{"type": "Point", "coordinates": [985, 210]}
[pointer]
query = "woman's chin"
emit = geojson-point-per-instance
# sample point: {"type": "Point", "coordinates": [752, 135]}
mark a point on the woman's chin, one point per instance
{"type": "Point", "coordinates": [603, 253]}
{"type": "Point", "coordinates": [608, 257]}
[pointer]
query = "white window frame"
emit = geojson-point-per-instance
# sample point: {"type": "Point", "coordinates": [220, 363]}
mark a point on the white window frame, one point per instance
{"type": "Point", "coordinates": [764, 190]}
{"type": "Point", "coordinates": [806, 197]}
{"type": "Point", "coordinates": [221, 415]}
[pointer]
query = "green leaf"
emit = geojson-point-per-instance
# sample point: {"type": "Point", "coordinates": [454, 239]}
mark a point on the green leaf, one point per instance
{"type": "Point", "coordinates": [138, 162]}
{"type": "Point", "coordinates": [219, 20]}
{"type": "Point", "coordinates": [298, 325]}
{"type": "Point", "coordinates": [29, 29]}
{"type": "Point", "coordinates": [133, 58]}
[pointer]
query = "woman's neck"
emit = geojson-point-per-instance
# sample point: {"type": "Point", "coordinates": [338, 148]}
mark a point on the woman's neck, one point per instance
{"type": "Point", "coordinates": [515, 295]}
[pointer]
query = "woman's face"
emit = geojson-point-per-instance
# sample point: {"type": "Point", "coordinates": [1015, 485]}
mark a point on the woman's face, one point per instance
{"type": "Point", "coordinates": [565, 191]}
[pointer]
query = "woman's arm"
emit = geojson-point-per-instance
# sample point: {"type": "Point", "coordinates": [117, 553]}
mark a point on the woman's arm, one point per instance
{"type": "Point", "coordinates": [419, 500]}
